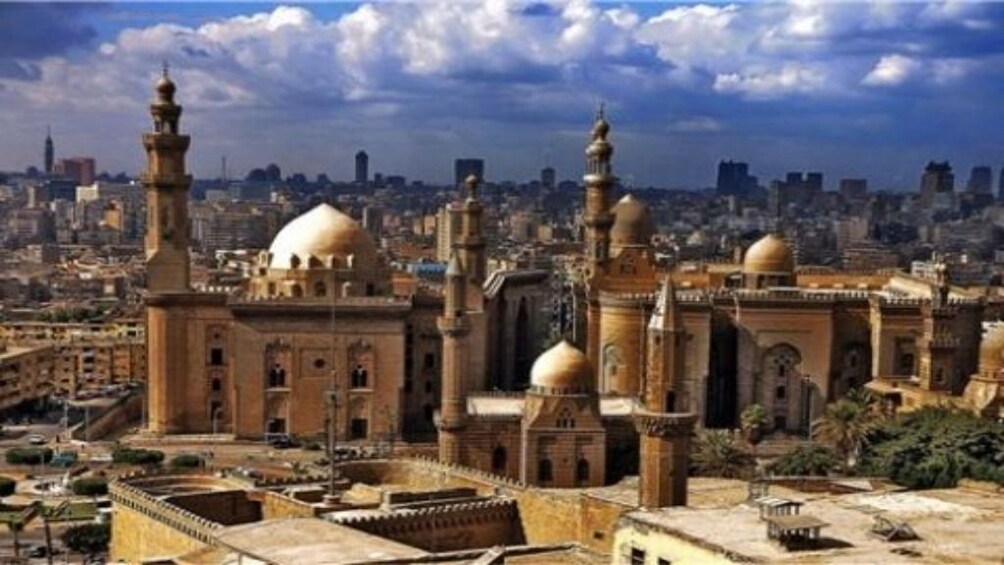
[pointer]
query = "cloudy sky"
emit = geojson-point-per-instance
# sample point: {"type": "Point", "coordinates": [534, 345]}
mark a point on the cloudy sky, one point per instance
{"type": "Point", "coordinates": [853, 89]}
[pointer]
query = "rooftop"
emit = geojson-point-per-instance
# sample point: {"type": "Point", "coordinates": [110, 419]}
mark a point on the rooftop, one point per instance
{"type": "Point", "coordinates": [953, 525]}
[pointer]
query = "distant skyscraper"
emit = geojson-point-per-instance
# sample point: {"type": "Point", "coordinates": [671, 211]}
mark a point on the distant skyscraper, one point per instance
{"type": "Point", "coordinates": [547, 177]}
{"type": "Point", "coordinates": [734, 179]}
{"type": "Point", "coordinates": [80, 169]}
{"type": "Point", "coordinates": [362, 168]}
{"type": "Point", "coordinates": [981, 180]}
{"type": "Point", "coordinates": [937, 182]}
{"type": "Point", "coordinates": [462, 168]}
{"type": "Point", "coordinates": [852, 189]}
{"type": "Point", "coordinates": [50, 152]}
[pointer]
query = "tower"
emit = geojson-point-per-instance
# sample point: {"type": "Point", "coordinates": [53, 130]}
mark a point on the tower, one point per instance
{"type": "Point", "coordinates": [598, 220]}
{"type": "Point", "coordinates": [664, 432]}
{"type": "Point", "coordinates": [456, 329]}
{"type": "Point", "coordinates": [471, 245]}
{"type": "Point", "coordinates": [362, 168]}
{"type": "Point", "coordinates": [50, 152]}
{"type": "Point", "coordinates": [166, 185]}
{"type": "Point", "coordinates": [938, 344]}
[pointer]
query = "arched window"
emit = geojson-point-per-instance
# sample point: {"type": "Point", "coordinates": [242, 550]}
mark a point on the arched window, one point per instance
{"type": "Point", "coordinates": [545, 472]}
{"type": "Point", "coordinates": [499, 460]}
{"type": "Point", "coordinates": [428, 411]}
{"type": "Point", "coordinates": [670, 401]}
{"type": "Point", "coordinates": [297, 291]}
{"type": "Point", "coordinates": [217, 385]}
{"type": "Point", "coordinates": [780, 393]}
{"type": "Point", "coordinates": [276, 376]}
{"type": "Point", "coordinates": [320, 289]}
{"type": "Point", "coordinates": [582, 471]}
{"type": "Point", "coordinates": [359, 377]}
{"type": "Point", "coordinates": [565, 419]}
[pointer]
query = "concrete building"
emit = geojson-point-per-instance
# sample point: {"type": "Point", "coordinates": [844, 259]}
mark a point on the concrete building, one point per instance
{"type": "Point", "coordinates": [78, 169]}
{"type": "Point", "coordinates": [362, 168]}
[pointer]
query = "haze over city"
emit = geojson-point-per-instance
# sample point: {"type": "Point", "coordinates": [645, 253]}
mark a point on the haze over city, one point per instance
{"type": "Point", "coordinates": [851, 89]}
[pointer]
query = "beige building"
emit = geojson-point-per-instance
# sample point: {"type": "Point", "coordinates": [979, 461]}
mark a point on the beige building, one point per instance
{"type": "Point", "coordinates": [25, 374]}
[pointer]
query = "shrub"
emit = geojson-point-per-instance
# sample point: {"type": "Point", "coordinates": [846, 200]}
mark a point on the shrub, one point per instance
{"type": "Point", "coordinates": [137, 456]}
{"type": "Point", "coordinates": [28, 455]}
{"type": "Point", "coordinates": [7, 486]}
{"type": "Point", "coordinates": [90, 486]}
{"type": "Point", "coordinates": [88, 538]}
{"type": "Point", "coordinates": [812, 460]}
{"type": "Point", "coordinates": [186, 461]}
{"type": "Point", "coordinates": [312, 446]}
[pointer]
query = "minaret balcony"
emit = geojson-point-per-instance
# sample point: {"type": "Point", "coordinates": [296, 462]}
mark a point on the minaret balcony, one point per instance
{"type": "Point", "coordinates": [664, 425]}
{"type": "Point", "coordinates": [453, 325]}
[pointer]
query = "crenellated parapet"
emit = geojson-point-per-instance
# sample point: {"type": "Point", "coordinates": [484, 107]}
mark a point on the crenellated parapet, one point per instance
{"type": "Point", "coordinates": [163, 512]}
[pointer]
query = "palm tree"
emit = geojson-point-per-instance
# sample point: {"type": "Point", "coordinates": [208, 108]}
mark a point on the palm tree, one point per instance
{"type": "Point", "coordinates": [845, 425]}
{"type": "Point", "coordinates": [718, 454]}
{"type": "Point", "coordinates": [751, 422]}
{"type": "Point", "coordinates": [15, 525]}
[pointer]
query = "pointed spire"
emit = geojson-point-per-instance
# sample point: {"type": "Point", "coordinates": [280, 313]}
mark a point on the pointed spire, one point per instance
{"type": "Point", "coordinates": [48, 132]}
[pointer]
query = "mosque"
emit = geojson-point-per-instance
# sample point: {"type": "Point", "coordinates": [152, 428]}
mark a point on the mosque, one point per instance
{"type": "Point", "coordinates": [319, 323]}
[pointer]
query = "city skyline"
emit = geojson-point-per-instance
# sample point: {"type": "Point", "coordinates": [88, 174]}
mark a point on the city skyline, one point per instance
{"type": "Point", "coordinates": [870, 90]}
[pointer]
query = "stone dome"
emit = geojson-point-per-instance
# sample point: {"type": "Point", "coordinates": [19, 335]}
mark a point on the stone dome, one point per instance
{"type": "Point", "coordinates": [562, 369]}
{"type": "Point", "coordinates": [322, 237]}
{"type": "Point", "coordinates": [632, 222]}
{"type": "Point", "coordinates": [769, 255]}
{"type": "Point", "coordinates": [992, 349]}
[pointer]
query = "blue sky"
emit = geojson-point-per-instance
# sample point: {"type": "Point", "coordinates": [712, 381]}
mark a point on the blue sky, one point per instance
{"type": "Point", "coordinates": [870, 89]}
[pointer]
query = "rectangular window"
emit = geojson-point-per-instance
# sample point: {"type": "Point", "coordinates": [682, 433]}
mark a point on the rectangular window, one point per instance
{"type": "Point", "coordinates": [216, 356]}
{"type": "Point", "coordinates": [359, 428]}
{"type": "Point", "coordinates": [663, 561]}
{"type": "Point", "coordinates": [637, 556]}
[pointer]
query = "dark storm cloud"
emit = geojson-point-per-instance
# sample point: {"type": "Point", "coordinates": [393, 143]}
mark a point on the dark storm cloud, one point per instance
{"type": "Point", "coordinates": [32, 31]}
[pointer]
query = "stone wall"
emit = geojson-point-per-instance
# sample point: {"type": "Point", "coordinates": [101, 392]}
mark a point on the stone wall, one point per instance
{"type": "Point", "coordinates": [115, 417]}
{"type": "Point", "coordinates": [228, 508]}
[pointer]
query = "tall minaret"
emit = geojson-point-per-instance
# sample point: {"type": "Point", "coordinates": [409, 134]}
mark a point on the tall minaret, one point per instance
{"type": "Point", "coordinates": [663, 428]}
{"type": "Point", "coordinates": [456, 329]}
{"type": "Point", "coordinates": [50, 152]}
{"type": "Point", "coordinates": [599, 181]}
{"type": "Point", "coordinates": [598, 220]}
{"type": "Point", "coordinates": [166, 185]}
{"type": "Point", "coordinates": [938, 344]}
{"type": "Point", "coordinates": [471, 244]}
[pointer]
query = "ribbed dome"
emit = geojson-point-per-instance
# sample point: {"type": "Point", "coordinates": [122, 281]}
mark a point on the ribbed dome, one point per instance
{"type": "Point", "coordinates": [632, 222]}
{"type": "Point", "coordinates": [322, 234]}
{"type": "Point", "coordinates": [562, 369]}
{"type": "Point", "coordinates": [769, 255]}
{"type": "Point", "coordinates": [992, 349]}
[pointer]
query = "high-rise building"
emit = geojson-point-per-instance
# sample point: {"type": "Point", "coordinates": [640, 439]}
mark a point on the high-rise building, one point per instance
{"type": "Point", "coordinates": [936, 182]}
{"type": "Point", "coordinates": [981, 180]}
{"type": "Point", "coordinates": [852, 189]}
{"type": "Point", "coordinates": [547, 177]}
{"type": "Point", "coordinates": [362, 168]}
{"type": "Point", "coordinates": [463, 168]}
{"type": "Point", "coordinates": [734, 179]}
{"type": "Point", "coordinates": [79, 169]}
{"type": "Point", "coordinates": [50, 151]}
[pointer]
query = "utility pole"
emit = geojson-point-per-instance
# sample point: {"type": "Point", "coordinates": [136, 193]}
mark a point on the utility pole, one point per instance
{"type": "Point", "coordinates": [331, 426]}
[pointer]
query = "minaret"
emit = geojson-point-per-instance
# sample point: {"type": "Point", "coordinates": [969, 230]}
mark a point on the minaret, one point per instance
{"type": "Point", "coordinates": [50, 152]}
{"type": "Point", "coordinates": [598, 220]}
{"type": "Point", "coordinates": [471, 244]}
{"type": "Point", "coordinates": [599, 181]}
{"type": "Point", "coordinates": [455, 327]}
{"type": "Point", "coordinates": [938, 344]}
{"type": "Point", "coordinates": [166, 185]}
{"type": "Point", "coordinates": [664, 430]}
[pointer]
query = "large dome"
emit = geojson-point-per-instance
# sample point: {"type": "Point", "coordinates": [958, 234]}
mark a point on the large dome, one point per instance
{"type": "Point", "coordinates": [769, 255]}
{"type": "Point", "coordinates": [322, 235]}
{"type": "Point", "coordinates": [562, 369]}
{"type": "Point", "coordinates": [632, 223]}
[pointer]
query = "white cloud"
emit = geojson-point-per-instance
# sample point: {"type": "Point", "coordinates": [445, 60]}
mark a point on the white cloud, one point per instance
{"type": "Point", "coordinates": [770, 84]}
{"type": "Point", "coordinates": [892, 70]}
{"type": "Point", "coordinates": [696, 124]}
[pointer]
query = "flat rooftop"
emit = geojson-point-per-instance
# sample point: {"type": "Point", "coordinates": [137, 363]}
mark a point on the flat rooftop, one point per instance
{"type": "Point", "coordinates": [953, 525]}
{"type": "Point", "coordinates": [308, 541]}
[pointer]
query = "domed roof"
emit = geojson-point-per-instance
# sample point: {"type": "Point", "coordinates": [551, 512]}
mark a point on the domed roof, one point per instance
{"type": "Point", "coordinates": [562, 367]}
{"type": "Point", "coordinates": [322, 233]}
{"type": "Point", "coordinates": [769, 255]}
{"type": "Point", "coordinates": [632, 222]}
{"type": "Point", "coordinates": [992, 348]}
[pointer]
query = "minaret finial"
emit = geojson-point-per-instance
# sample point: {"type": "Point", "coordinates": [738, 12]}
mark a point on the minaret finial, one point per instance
{"type": "Point", "coordinates": [472, 181]}
{"type": "Point", "coordinates": [48, 130]}
{"type": "Point", "coordinates": [599, 111]}
{"type": "Point", "coordinates": [165, 69]}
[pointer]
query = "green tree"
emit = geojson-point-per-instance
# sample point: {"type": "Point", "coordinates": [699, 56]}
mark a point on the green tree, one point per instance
{"type": "Point", "coordinates": [88, 539]}
{"type": "Point", "coordinates": [845, 425]}
{"type": "Point", "coordinates": [7, 487]}
{"type": "Point", "coordinates": [131, 456]}
{"type": "Point", "coordinates": [90, 486]}
{"type": "Point", "coordinates": [186, 461]}
{"type": "Point", "coordinates": [806, 460]}
{"type": "Point", "coordinates": [752, 422]}
{"type": "Point", "coordinates": [28, 456]}
{"type": "Point", "coordinates": [718, 454]}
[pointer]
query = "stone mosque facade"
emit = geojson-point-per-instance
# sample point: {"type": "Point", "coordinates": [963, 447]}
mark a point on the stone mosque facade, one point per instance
{"type": "Point", "coordinates": [662, 349]}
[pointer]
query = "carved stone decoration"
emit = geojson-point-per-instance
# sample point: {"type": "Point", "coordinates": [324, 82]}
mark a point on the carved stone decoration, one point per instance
{"type": "Point", "coordinates": [664, 425]}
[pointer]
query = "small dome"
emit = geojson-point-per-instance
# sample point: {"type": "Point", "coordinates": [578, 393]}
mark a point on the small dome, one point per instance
{"type": "Point", "coordinates": [165, 86]}
{"type": "Point", "coordinates": [769, 255]}
{"type": "Point", "coordinates": [632, 223]}
{"type": "Point", "coordinates": [992, 349]}
{"type": "Point", "coordinates": [322, 233]}
{"type": "Point", "coordinates": [562, 368]}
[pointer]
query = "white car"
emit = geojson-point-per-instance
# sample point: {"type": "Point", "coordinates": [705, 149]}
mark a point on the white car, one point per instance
{"type": "Point", "coordinates": [37, 439]}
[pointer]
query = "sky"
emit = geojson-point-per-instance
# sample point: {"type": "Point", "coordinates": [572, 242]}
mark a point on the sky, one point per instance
{"type": "Point", "coordinates": [852, 89]}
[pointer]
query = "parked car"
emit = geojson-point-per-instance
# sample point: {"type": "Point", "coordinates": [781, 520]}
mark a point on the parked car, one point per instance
{"type": "Point", "coordinates": [284, 442]}
{"type": "Point", "coordinates": [37, 439]}
{"type": "Point", "coordinates": [64, 459]}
